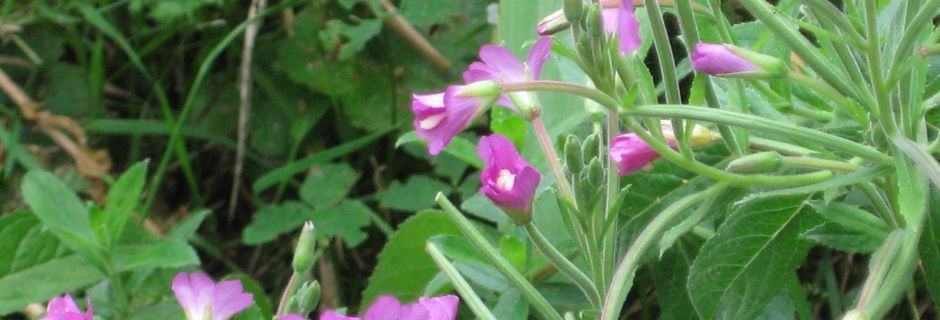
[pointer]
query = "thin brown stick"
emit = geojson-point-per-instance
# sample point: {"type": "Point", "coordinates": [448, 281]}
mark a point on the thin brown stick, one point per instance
{"type": "Point", "coordinates": [407, 31]}
{"type": "Point", "coordinates": [244, 109]}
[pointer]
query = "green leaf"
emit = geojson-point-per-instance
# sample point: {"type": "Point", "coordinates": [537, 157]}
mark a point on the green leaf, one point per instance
{"type": "Point", "coordinates": [514, 250]}
{"type": "Point", "coordinates": [328, 184]}
{"type": "Point", "coordinates": [415, 194]}
{"type": "Point", "coordinates": [852, 218]}
{"type": "Point", "coordinates": [123, 197]}
{"type": "Point", "coordinates": [423, 12]}
{"type": "Point", "coordinates": [737, 272]}
{"type": "Point", "coordinates": [60, 210]}
{"type": "Point", "coordinates": [69, 92]}
{"type": "Point", "coordinates": [670, 275]}
{"type": "Point", "coordinates": [349, 38]}
{"type": "Point", "coordinates": [273, 220]}
{"type": "Point", "coordinates": [35, 266]}
{"type": "Point", "coordinates": [169, 253]}
{"type": "Point", "coordinates": [460, 147]}
{"type": "Point", "coordinates": [188, 227]}
{"type": "Point", "coordinates": [404, 268]}
{"type": "Point", "coordinates": [345, 221]}
{"type": "Point", "coordinates": [930, 247]}
{"type": "Point", "coordinates": [841, 238]}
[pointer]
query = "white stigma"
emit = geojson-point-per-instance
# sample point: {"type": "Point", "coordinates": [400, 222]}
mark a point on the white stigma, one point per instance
{"type": "Point", "coordinates": [432, 121]}
{"type": "Point", "coordinates": [505, 180]}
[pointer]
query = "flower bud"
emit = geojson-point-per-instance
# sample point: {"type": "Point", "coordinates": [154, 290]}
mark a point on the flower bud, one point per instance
{"type": "Point", "coordinates": [590, 147]}
{"type": "Point", "coordinates": [310, 297]}
{"type": "Point", "coordinates": [574, 10]}
{"type": "Point", "coordinates": [306, 245]}
{"type": "Point", "coordinates": [573, 154]}
{"type": "Point", "coordinates": [596, 173]}
{"type": "Point", "coordinates": [756, 163]}
{"type": "Point", "coordinates": [725, 60]}
{"type": "Point", "coordinates": [552, 24]}
{"type": "Point", "coordinates": [594, 23]}
{"type": "Point", "coordinates": [507, 179]}
{"type": "Point", "coordinates": [700, 136]}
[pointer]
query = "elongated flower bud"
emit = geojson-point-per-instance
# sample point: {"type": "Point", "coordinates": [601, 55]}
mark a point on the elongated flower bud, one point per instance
{"type": "Point", "coordinates": [573, 154]}
{"type": "Point", "coordinates": [756, 163]}
{"type": "Point", "coordinates": [725, 60]}
{"type": "Point", "coordinates": [306, 245]}
{"type": "Point", "coordinates": [507, 179]}
{"type": "Point", "coordinates": [553, 23]}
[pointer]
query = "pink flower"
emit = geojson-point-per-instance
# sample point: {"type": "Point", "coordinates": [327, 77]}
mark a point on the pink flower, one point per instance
{"type": "Point", "coordinates": [508, 180]}
{"type": "Point", "coordinates": [501, 65]}
{"type": "Point", "coordinates": [203, 299]}
{"type": "Point", "coordinates": [632, 153]}
{"type": "Point", "coordinates": [440, 116]}
{"type": "Point", "coordinates": [621, 22]}
{"type": "Point", "coordinates": [290, 317]}
{"type": "Point", "coordinates": [718, 59]}
{"type": "Point", "coordinates": [64, 308]}
{"type": "Point", "coordinates": [389, 308]}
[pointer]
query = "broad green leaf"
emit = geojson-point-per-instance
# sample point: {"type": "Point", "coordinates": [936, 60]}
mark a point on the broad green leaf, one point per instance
{"type": "Point", "coordinates": [35, 266]}
{"type": "Point", "coordinates": [424, 13]}
{"type": "Point", "coordinates": [273, 220]}
{"type": "Point", "coordinates": [345, 220]}
{"type": "Point", "coordinates": [327, 184]}
{"type": "Point", "coordinates": [670, 275]}
{"type": "Point", "coordinates": [415, 194]}
{"type": "Point", "coordinates": [169, 253]}
{"type": "Point", "coordinates": [123, 197]}
{"type": "Point", "coordinates": [738, 272]}
{"type": "Point", "coordinates": [349, 38]}
{"type": "Point", "coordinates": [60, 210]}
{"type": "Point", "coordinates": [839, 237]}
{"type": "Point", "coordinates": [188, 227]}
{"type": "Point", "coordinates": [930, 247]}
{"type": "Point", "coordinates": [403, 268]}
{"type": "Point", "coordinates": [511, 306]}
{"type": "Point", "coordinates": [514, 250]}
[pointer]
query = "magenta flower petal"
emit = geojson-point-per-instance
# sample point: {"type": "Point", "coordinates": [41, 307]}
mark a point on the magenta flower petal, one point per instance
{"type": "Point", "coordinates": [435, 308]}
{"type": "Point", "coordinates": [503, 62]}
{"type": "Point", "coordinates": [621, 22]}
{"type": "Point", "coordinates": [197, 294]}
{"type": "Point", "coordinates": [383, 308]}
{"type": "Point", "coordinates": [631, 153]}
{"type": "Point", "coordinates": [290, 317]}
{"type": "Point", "coordinates": [332, 315]}
{"type": "Point", "coordinates": [507, 179]}
{"type": "Point", "coordinates": [538, 55]}
{"type": "Point", "coordinates": [717, 59]}
{"type": "Point", "coordinates": [439, 117]}
{"type": "Point", "coordinates": [64, 308]}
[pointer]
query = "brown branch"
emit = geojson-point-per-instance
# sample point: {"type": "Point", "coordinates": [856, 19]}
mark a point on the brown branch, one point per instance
{"type": "Point", "coordinates": [407, 31]}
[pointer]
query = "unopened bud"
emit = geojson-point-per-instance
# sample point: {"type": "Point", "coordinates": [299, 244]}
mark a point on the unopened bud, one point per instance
{"type": "Point", "coordinates": [700, 136]}
{"type": "Point", "coordinates": [756, 163]}
{"type": "Point", "coordinates": [574, 10]}
{"type": "Point", "coordinates": [596, 173]}
{"type": "Point", "coordinates": [591, 147]}
{"type": "Point", "coordinates": [306, 245]}
{"type": "Point", "coordinates": [594, 23]}
{"type": "Point", "coordinates": [573, 154]}
{"type": "Point", "coordinates": [725, 60]}
{"type": "Point", "coordinates": [552, 24]}
{"type": "Point", "coordinates": [310, 297]}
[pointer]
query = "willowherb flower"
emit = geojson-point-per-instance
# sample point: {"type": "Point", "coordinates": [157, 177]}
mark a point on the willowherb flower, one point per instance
{"type": "Point", "coordinates": [726, 60]}
{"type": "Point", "coordinates": [621, 22]}
{"type": "Point", "coordinates": [203, 299]}
{"type": "Point", "coordinates": [389, 308]}
{"type": "Point", "coordinates": [440, 116]}
{"type": "Point", "coordinates": [64, 308]}
{"type": "Point", "coordinates": [500, 65]}
{"type": "Point", "coordinates": [631, 153]}
{"type": "Point", "coordinates": [508, 180]}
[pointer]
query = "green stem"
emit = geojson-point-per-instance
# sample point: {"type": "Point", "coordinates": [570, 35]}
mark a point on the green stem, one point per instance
{"type": "Point", "coordinates": [824, 164]}
{"type": "Point", "coordinates": [791, 36]}
{"type": "Point", "coordinates": [712, 115]}
{"type": "Point", "coordinates": [562, 264]}
{"type": "Point", "coordinates": [469, 297]}
{"type": "Point", "coordinates": [885, 114]}
{"type": "Point", "coordinates": [545, 141]}
{"type": "Point", "coordinates": [541, 305]}
{"type": "Point", "coordinates": [623, 277]}
{"type": "Point", "coordinates": [287, 293]}
{"type": "Point", "coordinates": [667, 61]}
{"type": "Point", "coordinates": [905, 48]}
{"type": "Point", "coordinates": [827, 91]}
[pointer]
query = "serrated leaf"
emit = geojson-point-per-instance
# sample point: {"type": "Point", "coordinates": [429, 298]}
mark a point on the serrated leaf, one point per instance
{"type": "Point", "coordinates": [273, 220]}
{"type": "Point", "coordinates": [839, 237]}
{"type": "Point", "coordinates": [328, 184]}
{"type": "Point", "coordinates": [35, 266]}
{"type": "Point", "coordinates": [737, 272]}
{"type": "Point", "coordinates": [188, 227]}
{"type": "Point", "coordinates": [415, 194]}
{"type": "Point", "coordinates": [404, 268]}
{"type": "Point", "coordinates": [852, 217]}
{"type": "Point", "coordinates": [60, 211]}
{"type": "Point", "coordinates": [345, 220]}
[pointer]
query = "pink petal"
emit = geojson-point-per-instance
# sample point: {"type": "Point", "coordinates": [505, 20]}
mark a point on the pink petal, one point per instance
{"type": "Point", "coordinates": [628, 29]}
{"type": "Point", "coordinates": [383, 308]}
{"type": "Point", "coordinates": [229, 299]}
{"type": "Point", "coordinates": [632, 153]}
{"type": "Point", "coordinates": [503, 62]}
{"type": "Point", "coordinates": [332, 315]}
{"type": "Point", "coordinates": [537, 56]}
{"type": "Point", "coordinates": [717, 59]}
